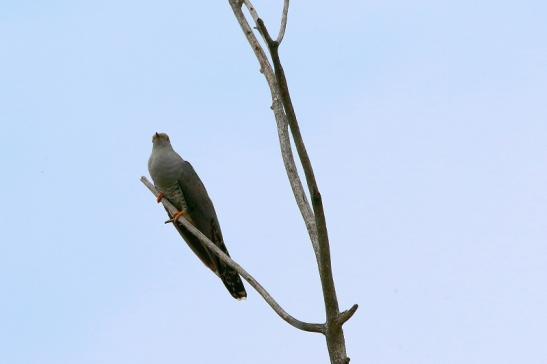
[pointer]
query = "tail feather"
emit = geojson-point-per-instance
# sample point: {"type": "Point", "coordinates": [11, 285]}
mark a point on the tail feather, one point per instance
{"type": "Point", "coordinates": [233, 283]}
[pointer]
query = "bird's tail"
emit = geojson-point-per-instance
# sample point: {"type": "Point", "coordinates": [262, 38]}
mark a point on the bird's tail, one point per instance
{"type": "Point", "coordinates": [233, 283]}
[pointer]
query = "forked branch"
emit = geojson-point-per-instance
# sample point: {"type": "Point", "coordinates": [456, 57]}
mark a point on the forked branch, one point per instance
{"type": "Point", "coordinates": [318, 227]}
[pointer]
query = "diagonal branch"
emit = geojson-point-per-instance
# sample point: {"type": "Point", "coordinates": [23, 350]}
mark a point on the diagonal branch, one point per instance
{"type": "Point", "coordinates": [252, 10]}
{"type": "Point", "coordinates": [305, 326]}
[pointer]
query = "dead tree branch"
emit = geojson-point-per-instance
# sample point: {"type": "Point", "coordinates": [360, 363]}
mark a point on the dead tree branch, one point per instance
{"type": "Point", "coordinates": [315, 221]}
{"type": "Point", "coordinates": [305, 326]}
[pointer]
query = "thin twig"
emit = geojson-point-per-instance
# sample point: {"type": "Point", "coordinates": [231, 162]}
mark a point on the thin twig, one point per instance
{"type": "Point", "coordinates": [305, 326]}
{"type": "Point", "coordinates": [283, 26]}
{"type": "Point", "coordinates": [346, 315]}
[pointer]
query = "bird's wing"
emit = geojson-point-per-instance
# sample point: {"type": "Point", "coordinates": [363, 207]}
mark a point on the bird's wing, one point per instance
{"type": "Point", "coordinates": [200, 206]}
{"type": "Point", "coordinates": [197, 247]}
{"type": "Point", "coordinates": [203, 215]}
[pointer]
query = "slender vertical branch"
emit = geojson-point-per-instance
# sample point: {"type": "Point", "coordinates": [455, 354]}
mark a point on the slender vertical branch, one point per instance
{"type": "Point", "coordinates": [336, 341]}
{"type": "Point", "coordinates": [285, 114]}
{"type": "Point", "coordinates": [294, 179]}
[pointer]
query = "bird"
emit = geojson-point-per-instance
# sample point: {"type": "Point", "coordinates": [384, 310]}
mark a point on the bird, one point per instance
{"type": "Point", "coordinates": [177, 181]}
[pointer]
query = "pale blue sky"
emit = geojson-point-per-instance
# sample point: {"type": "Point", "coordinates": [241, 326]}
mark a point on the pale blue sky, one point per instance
{"type": "Point", "coordinates": [427, 125]}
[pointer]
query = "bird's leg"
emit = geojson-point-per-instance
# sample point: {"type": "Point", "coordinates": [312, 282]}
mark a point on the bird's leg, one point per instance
{"type": "Point", "coordinates": [183, 213]}
{"type": "Point", "coordinates": [160, 197]}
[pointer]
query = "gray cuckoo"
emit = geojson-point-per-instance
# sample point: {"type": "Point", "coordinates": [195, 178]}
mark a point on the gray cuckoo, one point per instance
{"type": "Point", "coordinates": [177, 181]}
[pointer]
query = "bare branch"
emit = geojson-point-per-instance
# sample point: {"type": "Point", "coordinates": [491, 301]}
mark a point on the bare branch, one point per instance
{"type": "Point", "coordinates": [335, 338]}
{"type": "Point", "coordinates": [294, 178]}
{"type": "Point", "coordinates": [283, 22]}
{"type": "Point", "coordinates": [252, 10]}
{"type": "Point", "coordinates": [335, 334]}
{"type": "Point", "coordinates": [305, 326]}
{"type": "Point", "coordinates": [324, 261]}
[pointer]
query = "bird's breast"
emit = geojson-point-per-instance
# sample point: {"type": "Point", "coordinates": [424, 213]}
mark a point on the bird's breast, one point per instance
{"type": "Point", "coordinates": [164, 169]}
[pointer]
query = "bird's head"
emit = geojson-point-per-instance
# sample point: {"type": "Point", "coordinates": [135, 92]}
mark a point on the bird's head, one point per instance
{"type": "Point", "coordinates": [159, 139]}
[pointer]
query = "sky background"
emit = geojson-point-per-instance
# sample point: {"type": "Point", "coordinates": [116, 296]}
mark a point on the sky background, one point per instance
{"type": "Point", "coordinates": [426, 122]}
